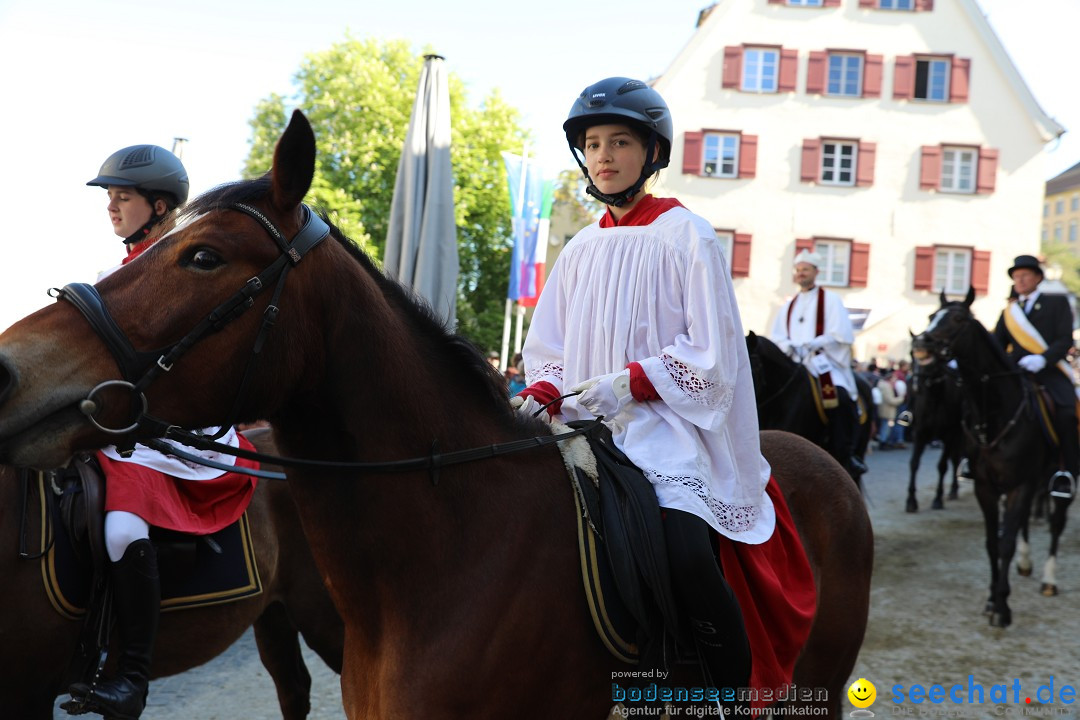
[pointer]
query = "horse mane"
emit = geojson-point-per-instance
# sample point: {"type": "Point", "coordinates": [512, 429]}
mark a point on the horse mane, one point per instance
{"type": "Point", "coordinates": [996, 350]}
{"type": "Point", "coordinates": [769, 352]}
{"type": "Point", "coordinates": [483, 380]}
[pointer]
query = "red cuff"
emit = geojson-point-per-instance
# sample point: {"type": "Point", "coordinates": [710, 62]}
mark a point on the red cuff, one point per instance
{"type": "Point", "coordinates": [640, 386]}
{"type": "Point", "coordinates": [545, 393]}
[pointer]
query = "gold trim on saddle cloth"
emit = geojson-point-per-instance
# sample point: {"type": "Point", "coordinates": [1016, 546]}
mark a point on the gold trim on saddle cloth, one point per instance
{"type": "Point", "coordinates": [819, 402]}
{"type": "Point", "coordinates": [620, 647]}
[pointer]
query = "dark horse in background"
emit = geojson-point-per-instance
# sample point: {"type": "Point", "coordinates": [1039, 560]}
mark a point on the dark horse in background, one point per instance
{"type": "Point", "coordinates": [37, 643]}
{"type": "Point", "coordinates": [936, 413]}
{"type": "Point", "coordinates": [461, 589]}
{"type": "Point", "coordinates": [787, 399]}
{"type": "Point", "coordinates": [1010, 456]}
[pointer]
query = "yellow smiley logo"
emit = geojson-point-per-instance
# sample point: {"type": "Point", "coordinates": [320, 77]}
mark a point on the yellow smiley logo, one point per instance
{"type": "Point", "coordinates": [862, 693]}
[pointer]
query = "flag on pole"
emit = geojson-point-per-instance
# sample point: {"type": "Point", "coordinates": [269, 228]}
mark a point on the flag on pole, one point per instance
{"type": "Point", "coordinates": [530, 200]}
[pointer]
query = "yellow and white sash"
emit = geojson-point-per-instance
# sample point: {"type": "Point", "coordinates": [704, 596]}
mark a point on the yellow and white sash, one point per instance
{"type": "Point", "coordinates": [1028, 337]}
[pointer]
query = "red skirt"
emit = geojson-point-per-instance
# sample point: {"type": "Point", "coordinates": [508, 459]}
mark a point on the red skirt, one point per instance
{"type": "Point", "coordinates": [199, 507]}
{"type": "Point", "coordinates": [775, 588]}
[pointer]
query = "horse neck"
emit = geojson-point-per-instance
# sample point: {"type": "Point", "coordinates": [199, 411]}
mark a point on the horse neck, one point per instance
{"type": "Point", "coordinates": [989, 384]}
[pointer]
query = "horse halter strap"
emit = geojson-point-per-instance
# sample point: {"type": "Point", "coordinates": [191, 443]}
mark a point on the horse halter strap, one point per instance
{"type": "Point", "coordinates": [140, 368]}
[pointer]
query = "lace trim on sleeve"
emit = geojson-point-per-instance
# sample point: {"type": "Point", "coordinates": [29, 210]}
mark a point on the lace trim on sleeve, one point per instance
{"type": "Point", "coordinates": [736, 518]}
{"type": "Point", "coordinates": [544, 371]}
{"type": "Point", "coordinates": [704, 392]}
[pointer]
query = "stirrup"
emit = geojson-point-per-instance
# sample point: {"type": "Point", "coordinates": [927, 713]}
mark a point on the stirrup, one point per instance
{"type": "Point", "coordinates": [964, 471]}
{"type": "Point", "coordinates": [1062, 485]}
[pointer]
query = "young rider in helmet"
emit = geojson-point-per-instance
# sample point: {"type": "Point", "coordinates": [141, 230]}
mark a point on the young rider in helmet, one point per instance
{"type": "Point", "coordinates": [639, 315]}
{"type": "Point", "coordinates": [145, 184]}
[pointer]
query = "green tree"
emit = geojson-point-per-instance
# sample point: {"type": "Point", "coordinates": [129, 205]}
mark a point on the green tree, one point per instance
{"type": "Point", "coordinates": [358, 95]}
{"type": "Point", "coordinates": [1062, 256]}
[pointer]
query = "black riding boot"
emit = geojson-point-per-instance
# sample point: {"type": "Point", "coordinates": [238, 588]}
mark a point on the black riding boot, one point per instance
{"type": "Point", "coordinates": [843, 432]}
{"type": "Point", "coordinates": [137, 593]}
{"type": "Point", "coordinates": [1065, 426]}
{"type": "Point", "coordinates": [707, 599]}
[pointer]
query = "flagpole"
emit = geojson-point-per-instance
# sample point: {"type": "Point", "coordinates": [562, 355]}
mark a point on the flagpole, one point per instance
{"type": "Point", "coordinates": [520, 218]}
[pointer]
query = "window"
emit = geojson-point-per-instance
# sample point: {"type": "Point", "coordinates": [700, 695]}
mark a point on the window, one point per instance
{"type": "Point", "coordinates": [1057, 232]}
{"type": "Point", "coordinates": [1072, 231]}
{"type": "Point", "coordinates": [897, 4]}
{"type": "Point", "coordinates": [1045, 234]}
{"type": "Point", "coordinates": [1074, 202]}
{"type": "Point", "coordinates": [1046, 210]}
{"type": "Point", "coordinates": [958, 169]}
{"type": "Point", "coordinates": [804, 3]}
{"type": "Point", "coordinates": [952, 270]}
{"type": "Point", "coordinates": [835, 256]}
{"type": "Point", "coordinates": [736, 249]}
{"type": "Point", "coordinates": [838, 161]}
{"type": "Point", "coordinates": [726, 238]}
{"type": "Point", "coordinates": [932, 79]}
{"type": "Point", "coordinates": [760, 69]}
{"type": "Point", "coordinates": [721, 155]}
{"type": "Point", "coordinates": [1059, 206]}
{"type": "Point", "coordinates": [917, 5]}
{"type": "Point", "coordinates": [845, 75]}
{"type": "Point", "coordinates": [832, 161]}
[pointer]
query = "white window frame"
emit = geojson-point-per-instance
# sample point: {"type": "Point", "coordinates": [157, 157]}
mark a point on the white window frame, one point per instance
{"type": "Point", "coordinates": [845, 61]}
{"type": "Point", "coordinates": [959, 169]}
{"type": "Point", "coordinates": [952, 270]}
{"type": "Point", "coordinates": [726, 238]}
{"type": "Point", "coordinates": [896, 5]}
{"type": "Point", "coordinates": [757, 64]}
{"type": "Point", "coordinates": [934, 93]}
{"type": "Point", "coordinates": [833, 162]}
{"type": "Point", "coordinates": [835, 270]}
{"type": "Point", "coordinates": [717, 145]}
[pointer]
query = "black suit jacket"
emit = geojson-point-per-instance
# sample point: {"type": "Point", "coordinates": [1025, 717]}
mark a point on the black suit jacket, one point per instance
{"type": "Point", "coordinates": [1052, 317]}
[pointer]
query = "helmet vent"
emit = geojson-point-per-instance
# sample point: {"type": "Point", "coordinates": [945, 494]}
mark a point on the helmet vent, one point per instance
{"type": "Point", "coordinates": [140, 156]}
{"type": "Point", "coordinates": [655, 113]}
{"type": "Point", "coordinates": [630, 86]}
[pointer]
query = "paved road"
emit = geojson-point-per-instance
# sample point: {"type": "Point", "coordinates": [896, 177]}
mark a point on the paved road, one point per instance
{"type": "Point", "coordinates": [926, 621]}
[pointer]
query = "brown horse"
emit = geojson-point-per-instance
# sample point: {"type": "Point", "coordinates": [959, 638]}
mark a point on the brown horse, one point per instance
{"type": "Point", "coordinates": [38, 642]}
{"type": "Point", "coordinates": [460, 590]}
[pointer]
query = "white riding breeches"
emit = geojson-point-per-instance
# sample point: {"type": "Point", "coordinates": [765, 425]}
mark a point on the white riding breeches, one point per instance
{"type": "Point", "coordinates": [122, 529]}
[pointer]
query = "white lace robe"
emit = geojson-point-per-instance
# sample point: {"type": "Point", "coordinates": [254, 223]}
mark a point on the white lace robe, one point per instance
{"type": "Point", "coordinates": [661, 295]}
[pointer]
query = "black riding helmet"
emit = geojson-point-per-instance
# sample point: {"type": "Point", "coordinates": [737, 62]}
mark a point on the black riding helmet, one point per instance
{"type": "Point", "coordinates": [622, 101]}
{"type": "Point", "coordinates": [151, 170]}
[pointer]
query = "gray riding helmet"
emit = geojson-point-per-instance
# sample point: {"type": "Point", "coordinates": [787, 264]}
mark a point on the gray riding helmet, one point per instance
{"type": "Point", "coordinates": [146, 167]}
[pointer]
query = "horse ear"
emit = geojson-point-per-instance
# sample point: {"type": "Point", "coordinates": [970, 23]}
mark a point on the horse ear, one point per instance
{"type": "Point", "coordinates": [294, 164]}
{"type": "Point", "coordinates": [970, 298]}
{"type": "Point", "coordinates": [942, 298]}
{"type": "Point", "coordinates": [751, 341]}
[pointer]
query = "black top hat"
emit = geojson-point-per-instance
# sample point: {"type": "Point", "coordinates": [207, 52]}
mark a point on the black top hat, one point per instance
{"type": "Point", "coordinates": [1026, 261]}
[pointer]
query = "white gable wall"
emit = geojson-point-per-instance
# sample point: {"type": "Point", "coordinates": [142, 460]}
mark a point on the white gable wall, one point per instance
{"type": "Point", "coordinates": [893, 215]}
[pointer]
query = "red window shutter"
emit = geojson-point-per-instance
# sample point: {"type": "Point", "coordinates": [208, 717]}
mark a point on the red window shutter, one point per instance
{"type": "Point", "coordinates": [904, 78]}
{"type": "Point", "coordinates": [811, 159]}
{"type": "Point", "coordinates": [860, 264]}
{"type": "Point", "coordinates": [987, 175]}
{"type": "Point", "coordinates": [864, 170]}
{"type": "Point", "coordinates": [959, 80]}
{"type": "Point", "coordinates": [789, 70]}
{"type": "Point", "coordinates": [815, 72]}
{"type": "Point", "coordinates": [868, 3]}
{"type": "Point", "coordinates": [691, 152]}
{"type": "Point", "coordinates": [740, 255]}
{"type": "Point", "coordinates": [806, 244]}
{"type": "Point", "coordinates": [777, 2]}
{"type": "Point", "coordinates": [924, 268]}
{"type": "Point", "coordinates": [831, 3]}
{"type": "Point", "coordinates": [930, 168]}
{"type": "Point", "coordinates": [732, 67]}
{"type": "Point", "coordinates": [747, 156]}
{"type": "Point", "coordinates": [924, 5]}
{"type": "Point", "coordinates": [873, 68]}
{"type": "Point", "coordinates": [980, 271]}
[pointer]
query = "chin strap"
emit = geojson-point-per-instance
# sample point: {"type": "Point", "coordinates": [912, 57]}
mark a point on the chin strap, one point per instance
{"type": "Point", "coordinates": [144, 232]}
{"type": "Point", "coordinates": [621, 198]}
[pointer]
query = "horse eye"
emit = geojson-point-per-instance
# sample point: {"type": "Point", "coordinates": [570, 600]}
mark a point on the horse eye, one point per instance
{"type": "Point", "coordinates": [206, 259]}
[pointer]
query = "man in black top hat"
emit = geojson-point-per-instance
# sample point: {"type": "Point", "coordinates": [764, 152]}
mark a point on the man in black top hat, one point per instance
{"type": "Point", "coordinates": [1035, 331]}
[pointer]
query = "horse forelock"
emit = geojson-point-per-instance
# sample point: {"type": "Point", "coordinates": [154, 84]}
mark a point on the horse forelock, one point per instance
{"type": "Point", "coordinates": [448, 351]}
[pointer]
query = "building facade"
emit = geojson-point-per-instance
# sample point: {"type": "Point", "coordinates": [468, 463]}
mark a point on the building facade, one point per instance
{"type": "Point", "coordinates": [1061, 210]}
{"type": "Point", "coordinates": [895, 137]}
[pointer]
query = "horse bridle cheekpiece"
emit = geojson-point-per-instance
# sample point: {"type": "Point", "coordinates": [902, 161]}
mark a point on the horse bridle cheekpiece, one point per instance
{"type": "Point", "coordinates": [142, 368]}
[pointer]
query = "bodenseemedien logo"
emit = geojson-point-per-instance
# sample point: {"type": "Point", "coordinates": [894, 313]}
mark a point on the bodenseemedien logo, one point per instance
{"type": "Point", "coordinates": [862, 695]}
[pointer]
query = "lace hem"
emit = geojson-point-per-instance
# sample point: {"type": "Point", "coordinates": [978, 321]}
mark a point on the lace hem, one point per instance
{"type": "Point", "coordinates": [544, 371]}
{"type": "Point", "coordinates": [700, 390]}
{"type": "Point", "coordinates": [736, 518]}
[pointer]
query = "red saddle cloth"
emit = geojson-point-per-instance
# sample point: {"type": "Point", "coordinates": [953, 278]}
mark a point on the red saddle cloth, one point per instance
{"type": "Point", "coordinates": [775, 588]}
{"type": "Point", "coordinates": [198, 507]}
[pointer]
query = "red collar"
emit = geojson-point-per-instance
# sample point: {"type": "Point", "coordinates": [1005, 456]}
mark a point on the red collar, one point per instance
{"type": "Point", "coordinates": [644, 212]}
{"type": "Point", "coordinates": [138, 249]}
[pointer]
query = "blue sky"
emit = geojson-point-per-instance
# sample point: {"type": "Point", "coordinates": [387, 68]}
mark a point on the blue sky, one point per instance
{"type": "Point", "coordinates": [82, 78]}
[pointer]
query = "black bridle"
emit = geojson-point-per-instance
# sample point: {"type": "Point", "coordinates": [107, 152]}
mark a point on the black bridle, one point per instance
{"type": "Point", "coordinates": [140, 369]}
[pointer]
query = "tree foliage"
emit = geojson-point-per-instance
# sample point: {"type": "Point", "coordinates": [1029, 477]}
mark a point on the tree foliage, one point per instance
{"type": "Point", "coordinates": [1062, 256]}
{"type": "Point", "coordinates": [358, 95]}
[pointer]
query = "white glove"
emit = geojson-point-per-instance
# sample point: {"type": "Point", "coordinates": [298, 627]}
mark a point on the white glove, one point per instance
{"type": "Point", "coordinates": [819, 342]}
{"type": "Point", "coordinates": [785, 346]}
{"type": "Point", "coordinates": [1032, 363]}
{"type": "Point", "coordinates": [605, 394]}
{"type": "Point", "coordinates": [529, 407]}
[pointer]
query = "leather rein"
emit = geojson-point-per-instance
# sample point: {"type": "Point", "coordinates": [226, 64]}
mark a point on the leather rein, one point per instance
{"type": "Point", "coordinates": [140, 369]}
